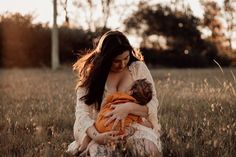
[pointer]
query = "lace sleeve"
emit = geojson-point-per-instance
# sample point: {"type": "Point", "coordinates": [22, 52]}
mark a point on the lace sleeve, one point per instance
{"type": "Point", "coordinates": [141, 71]}
{"type": "Point", "coordinates": [83, 118]}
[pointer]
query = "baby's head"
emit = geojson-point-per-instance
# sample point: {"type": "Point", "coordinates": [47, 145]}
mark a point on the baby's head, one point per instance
{"type": "Point", "coordinates": [141, 90]}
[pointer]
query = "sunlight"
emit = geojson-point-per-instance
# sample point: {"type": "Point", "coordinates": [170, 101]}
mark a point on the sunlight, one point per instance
{"type": "Point", "coordinates": [42, 12]}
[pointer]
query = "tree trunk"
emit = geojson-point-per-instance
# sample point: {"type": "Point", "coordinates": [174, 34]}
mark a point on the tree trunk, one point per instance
{"type": "Point", "coordinates": [55, 47]}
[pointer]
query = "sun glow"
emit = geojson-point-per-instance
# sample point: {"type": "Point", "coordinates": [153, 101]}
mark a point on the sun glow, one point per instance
{"type": "Point", "coordinates": [42, 11]}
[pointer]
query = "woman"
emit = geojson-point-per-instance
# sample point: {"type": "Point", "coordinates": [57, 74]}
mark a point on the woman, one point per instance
{"type": "Point", "coordinates": [112, 67]}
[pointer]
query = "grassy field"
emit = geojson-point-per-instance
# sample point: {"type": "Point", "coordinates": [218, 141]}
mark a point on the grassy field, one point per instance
{"type": "Point", "coordinates": [197, 112]}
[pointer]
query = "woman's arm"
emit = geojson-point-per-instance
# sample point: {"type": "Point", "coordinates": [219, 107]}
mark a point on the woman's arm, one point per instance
{"type": "Point", "coordinates": [121, 111]}
{"type": "Point", "coordinates": [130, 108]}
{"type": "Point", "coordinates": [83, 117]}
{"type": "Point", "coordinates": [102, 138]}
{"type": "Point", "coordinates": [92, 132]}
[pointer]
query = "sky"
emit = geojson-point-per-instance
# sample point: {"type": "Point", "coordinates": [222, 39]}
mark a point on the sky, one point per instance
{"type": "Point", "coordinates": [42, 10]}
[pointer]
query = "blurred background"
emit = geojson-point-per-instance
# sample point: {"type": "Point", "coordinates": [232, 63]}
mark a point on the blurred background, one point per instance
{"type": "Point", "coordinates": [170, 33]}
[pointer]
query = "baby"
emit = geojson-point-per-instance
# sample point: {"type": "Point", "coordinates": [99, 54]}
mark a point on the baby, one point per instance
{"type": "Point", "coordinates": [140, 93]}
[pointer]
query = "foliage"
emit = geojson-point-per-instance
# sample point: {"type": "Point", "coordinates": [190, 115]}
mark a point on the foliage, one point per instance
{"type": "Point", "coordinates": [230, 14]}
{"type": "Point", "coordinates": [74, 42]}
{"type": "Point", "coordinates": [212, 20]}
{"type": "Point", "coordinates": [24, 44]}
{"type": "Point", "coordinates": [183, 39]}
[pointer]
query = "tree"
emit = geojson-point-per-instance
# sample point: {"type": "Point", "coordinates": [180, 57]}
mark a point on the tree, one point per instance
{"type": "Point", "coordinates": [55, 46]}
{"type": "Point", "coordinates": [179, 29]}
{"type": "Point", "coordinates": [64, 4]}
{"type": "Point", "coordinates": [180, 5]}
{"type": "Point", "coordinates": [184, 44]}
{"type": "Point", "coordinates": [22, 42]}
{"type": "Point", "coordinates": [106, 9]}
{"type": "Point", "coordinates": [230, 15]}
{"type": "Point", "coordinates": [212, 21]}
{"type": "Point", "coordinates": [96, 13]}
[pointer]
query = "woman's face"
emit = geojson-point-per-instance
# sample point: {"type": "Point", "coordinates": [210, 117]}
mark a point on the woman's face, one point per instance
{"type": "Point", "coordinates": [120, 62]}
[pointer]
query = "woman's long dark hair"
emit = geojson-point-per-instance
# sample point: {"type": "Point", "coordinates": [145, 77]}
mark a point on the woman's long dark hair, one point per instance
{"type": "Point", "coordinates": [93, 68]}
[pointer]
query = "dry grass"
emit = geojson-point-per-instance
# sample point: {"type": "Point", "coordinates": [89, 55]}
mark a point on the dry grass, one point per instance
{"type": "Point", "coordinates": [197, 112]}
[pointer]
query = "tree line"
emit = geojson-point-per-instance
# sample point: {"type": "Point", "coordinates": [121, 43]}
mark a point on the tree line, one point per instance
{"type": "Point", "coordinates": [171, 36]}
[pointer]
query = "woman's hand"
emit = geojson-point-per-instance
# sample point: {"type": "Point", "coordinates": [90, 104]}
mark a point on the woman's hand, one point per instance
{"type": "Point", "coordinates": [103, 138]}
{"type": "Point", "coordinates": [118, 114]}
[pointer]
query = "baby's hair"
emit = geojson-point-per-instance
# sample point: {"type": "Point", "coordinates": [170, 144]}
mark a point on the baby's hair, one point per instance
{"type": "Point", "coordinates": [142, 91]}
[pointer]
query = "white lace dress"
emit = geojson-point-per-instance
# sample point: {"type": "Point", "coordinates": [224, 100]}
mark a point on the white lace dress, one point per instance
{"type": "Point", "coordinates": [86, 115]}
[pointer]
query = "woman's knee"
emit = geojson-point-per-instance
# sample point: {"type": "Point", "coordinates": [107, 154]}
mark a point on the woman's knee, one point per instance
{"type": "Point", "coordinates": [143, 148]}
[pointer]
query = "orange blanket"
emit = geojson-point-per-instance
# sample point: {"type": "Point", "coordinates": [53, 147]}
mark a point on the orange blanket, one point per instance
{"type": "Point", "coordinates": [115, 99]}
